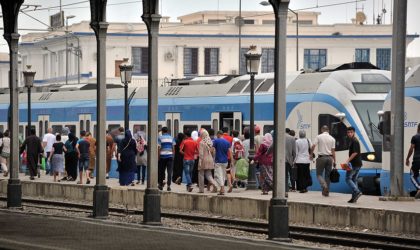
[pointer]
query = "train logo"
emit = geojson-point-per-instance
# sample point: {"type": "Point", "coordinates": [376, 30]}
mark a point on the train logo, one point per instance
{"type": "Point", "coordinates": [301, 124]}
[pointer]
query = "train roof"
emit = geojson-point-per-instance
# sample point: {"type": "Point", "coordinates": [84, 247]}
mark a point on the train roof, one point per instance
{"type": "Point", "coordinates": [412, 78]}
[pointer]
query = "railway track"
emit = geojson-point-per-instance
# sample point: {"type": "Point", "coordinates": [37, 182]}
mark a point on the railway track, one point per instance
{"type": "Point", "coordinates": [320, 235]}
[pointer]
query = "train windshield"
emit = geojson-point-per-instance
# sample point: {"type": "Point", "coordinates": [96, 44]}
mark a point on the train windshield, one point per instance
{"type": "Point", "coordinates": [367, 111]}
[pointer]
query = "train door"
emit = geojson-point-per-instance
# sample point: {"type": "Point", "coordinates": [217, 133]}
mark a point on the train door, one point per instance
{"type": "Point", "coordinates": [85, 122]}
{"type": "Point", "coordinates": [43, 124]}
{"type": "Point", "coordinates": [172, 122]}
{"type": "Point", "coordinates": [237, 121]}
{"type": "Point", "coordinates": [215, 121]}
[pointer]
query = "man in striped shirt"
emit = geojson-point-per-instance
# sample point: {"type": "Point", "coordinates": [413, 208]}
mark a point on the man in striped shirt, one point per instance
{"type": "Point", "coordinates": [166, 148]}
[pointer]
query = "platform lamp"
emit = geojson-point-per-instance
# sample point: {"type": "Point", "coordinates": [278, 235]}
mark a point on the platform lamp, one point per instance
{"type": "Point", "coordinates": [29, 76]}
{"type": "Point", "coordinates": [252, 66]}
{"type": "Point", "coordinates": [126, 71]}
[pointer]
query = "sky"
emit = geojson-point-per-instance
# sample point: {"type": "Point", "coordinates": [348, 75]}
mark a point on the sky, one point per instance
{"type": "Point", "coordinates": [332, 11]}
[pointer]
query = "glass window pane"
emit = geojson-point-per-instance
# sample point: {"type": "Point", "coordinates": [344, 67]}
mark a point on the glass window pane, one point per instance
{"type": "Point", "coordinates": [315, 58]}
{"type": "Point", "coordinates": [87, 125]}
{"type": "Point", "coordinates": [215, 124]}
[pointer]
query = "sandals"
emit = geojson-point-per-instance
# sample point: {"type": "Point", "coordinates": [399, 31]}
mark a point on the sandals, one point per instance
{"type": "Point", "coordinates": [230, 189]}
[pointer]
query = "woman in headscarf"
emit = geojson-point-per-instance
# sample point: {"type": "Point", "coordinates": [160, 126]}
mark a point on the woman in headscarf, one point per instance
{"type": "Point", "coordinates": [194, 176]}
{"type": "Point", "coordinates": [303, 162]}
{"type": "Point", "coordinates": [4, 152]}
{"type": "Point", "coordinates": [178, 160]}
{"type": "Point", "coordinates": [70, 157]}
{"type": "Point", "coordinates": [141, 159]}
{"type": "Point", "coordinates": [206, 161]}
{"type": "Point", "coordinates": [264, 157]}
{"type": "Point", "coordinates": [127, 157]}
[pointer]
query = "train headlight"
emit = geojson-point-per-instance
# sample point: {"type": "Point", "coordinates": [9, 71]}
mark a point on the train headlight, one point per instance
{"type": "Point", "coordinates": [371, 157]}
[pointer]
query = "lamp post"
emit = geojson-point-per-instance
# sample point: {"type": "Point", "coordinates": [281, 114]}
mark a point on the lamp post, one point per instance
{"type": "Point", "coordinates": [125, 74]}
{"type": "Point", "coordinates": [28, 77]}
{"type": "Point", "coordinates": [252, 65]}
{"type": "Point", "coordinates": [67, 46]}
{"type": "Point", "coordinates": [151, 207]}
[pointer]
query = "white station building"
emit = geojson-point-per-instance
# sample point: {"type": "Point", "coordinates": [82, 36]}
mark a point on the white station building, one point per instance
{"type": "Point", "coordinates": [200, 44]}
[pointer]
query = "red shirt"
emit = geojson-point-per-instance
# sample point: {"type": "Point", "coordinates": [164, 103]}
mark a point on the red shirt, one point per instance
{"type": "Point", "coordinates": [189, 147]}
{"type": "Point", "coordinates": [228, 138]}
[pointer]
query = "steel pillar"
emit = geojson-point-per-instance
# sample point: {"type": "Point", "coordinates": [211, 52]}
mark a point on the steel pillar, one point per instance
{"type": "Point", "coordinates": [278, 215]}
{"type": "Point", "coordinates": [151, 17]}
{"type": "Point", "coordinates": [126, 119]}
{"type": "Point", "coordinates": [252, 184]}
{"type": "Point", "coordinates": [399, 33]}
{"type": "Point", "coordinates": [29, 112]}
{"type": "Point", "coordinates": [99, 25]}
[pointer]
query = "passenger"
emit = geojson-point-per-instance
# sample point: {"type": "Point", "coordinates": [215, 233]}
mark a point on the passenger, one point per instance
{"type": "Point", "coordinates": [206, 162]}
{"type": "Point", "coordinates": [127, 159]}
{"type": "Point", "coordinates": [110, 149]}
{"type": "Point", "coordinates": [47, 142]}
{"type": "Point", "coordinates": [92, 154]}
{"type": "Point", "coordinates": [211, 134]}
{"type": "Point", "coordinates": [415, 166]}
{"type": "Point", "coordinates": [70, 157]}
{"type": "Point", "coordinates": [118, 140]}
{"type": "Point", "coordinates": [82, 148]}
{"type": "Point", "coordinates": [356, 163]}
{"type": "Point", "coordinates": [56, 158]}
{"type": "Point", "coordinates": [303, 162]}
{"type": "Point", "coordinates": [290, 159]}
{"type": "Point", "coordinates": [141, 158]}
{"type": "Point", "coordinates": [264, 157]}
{"type": "Point", "coordinates": [246, 143]}
{"type": "Point", "coordinates": [326, 158]}
{"type": "Point", "coordinates": [292, 133]}
{"type": "Point", "coordinates": [32, 145]}
{"type": "Point", "coordinates": [178, 160]}
{"type": "Point", "coordinates": [194, 175]}
{"type": "Point", "coordinates": [258, 139]}
{"type": "Point", "coordinates": [222, 147]}
{"type": "Point", "coordinates": [166, 145]}
{"type": "Point", "coordinates": [5, 152]}
{"type": "Point", "coordinates": [188, 149]}
{"type": "Point", "coordinates": [237, 153]}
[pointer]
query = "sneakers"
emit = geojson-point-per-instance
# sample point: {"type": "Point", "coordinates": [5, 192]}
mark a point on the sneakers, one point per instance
{"type": "Point", "coordinates": [168, 189]}
{"type": "Point", "coordinates": [357, 196]}
{"type": "Point", "coordinates": [142, 182]}
{"type": "Point", "coordinates": [325, 192]}
{"type": "Point", "coordinates": [417, 196]}
{"type": "Point", "coordinates": [189, 189]}
{"type": "Point", "coordinates": [160, 187]}
{"type": "Point", "coordinates": [351, 200]}
{"type": "Point", "coordinates": [88, 181]}
{"type": "Point", "coordinates": [178, 181]}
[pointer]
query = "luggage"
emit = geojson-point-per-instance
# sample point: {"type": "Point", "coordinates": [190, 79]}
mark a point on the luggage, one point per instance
{"type": "Point", "coordinates": [242, 168]}
{"type": "Point", "coordinates": [334, 176]}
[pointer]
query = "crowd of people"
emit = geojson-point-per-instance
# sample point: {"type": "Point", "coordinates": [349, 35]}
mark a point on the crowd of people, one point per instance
{"type": "Point", "coordinates": [204, 158]}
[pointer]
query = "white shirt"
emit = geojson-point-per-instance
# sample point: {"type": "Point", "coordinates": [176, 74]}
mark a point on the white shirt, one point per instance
{"type": "Point", "coordinates": [325, 142]}
{"type": "Point", "coordinates": [50, 140]}
{"type": "Point", "coordinates": [302, 151]}
{"type": "Point", "coordinates": [5, 142]}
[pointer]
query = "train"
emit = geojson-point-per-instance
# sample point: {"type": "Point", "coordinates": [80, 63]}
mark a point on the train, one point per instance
{"type": "Point", "coordinates": [338, 96]}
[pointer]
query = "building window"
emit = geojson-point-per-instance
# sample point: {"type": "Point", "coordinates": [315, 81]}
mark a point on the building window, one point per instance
{"type": "Point", "coordinates": [211, 61]}
{"type": "Point", "coordinates": [315, 58]}
{"type": "Point", "coordinates": [249, 21]}
{"type": "Point", "coordinates": [216, 21]}
{"type": "Point", "coordinates": [242, 68]}
{"type": "Point", "coordinates": [190, 61]}
{"type": "Point", "coordinates": [362, 55]}
{"type": "Point", "coordinates": [267, 60]}
{"type": "Point", "coordinates": [270, 22]}
{"type": "Point", "coordinates": [140, 59]}
{"type": "Point", "coordinates": [383, 59]}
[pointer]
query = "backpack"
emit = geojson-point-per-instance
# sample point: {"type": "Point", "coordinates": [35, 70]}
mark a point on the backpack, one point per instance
{"type": "Point", "coordinates": [238, 150]}
{"type": "Point", "coordinates": [140, 146]}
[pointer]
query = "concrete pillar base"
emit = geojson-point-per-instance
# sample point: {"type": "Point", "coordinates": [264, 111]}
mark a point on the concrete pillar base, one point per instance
{"type": "Point", "coordinates": [14, 193]}
{"type": "Point", "coordinates": [278, 220]}
{"type": "Point", "coordinates": [151, 207]}
{"type": "Point", "coordinates": [100, 201]}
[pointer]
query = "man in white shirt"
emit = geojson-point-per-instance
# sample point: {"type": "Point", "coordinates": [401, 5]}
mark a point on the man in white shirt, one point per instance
{"type": "Point", "coordinates": [47, 142]}
{"type": "Point", "coordinates": [326, 158]}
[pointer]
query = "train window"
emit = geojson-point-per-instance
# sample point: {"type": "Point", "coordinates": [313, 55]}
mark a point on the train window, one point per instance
{"type": "Point", "coordinates": [176, 127]}
{"type": "Point", "coordinates": [237, 87]}
{"type": "Point", "coordinates": [190, 128]}
{"type": "Point", "coordinates": [139, 127]}
{"type": "Point", "coordinates": [384, 127]}
{"type": "Point", "coordinates": [159, 127]}
{"type": "Point", "coordinates": [46, 126]}
{"type": "Point", "coordinates": [237, 124]}
{"type": "Point", "coordinates": [1, 128]}
{"type": "Point", "coordinates": [215, 124]}
{"type": "Point", "coordinates": [21, 130]}
{"type": "Point", "coordinates": [268, 128]}
{"type": "Point", "coordinates": [256, 85]}
{"type": "Point", "coordinates": [371, 87]}
{"type": "Point", "coordinates": [206, 127]}
{"type": "Point", "coordinates": [367, 111]}
{"type": "Point", "coordinates": [82, 125]}
{"type": "Point", "coordinates": [266, 85]}
{"type": "Point", "coordinates": [338, 130]}
{"type": "Point", "coordinates": [375, 78]}
{"type": "Point", "coordinates": [95, 132]}
{"type": "Point", "coordinates": [87, 125]}
{"type": "Point", "coordinates": [57, 129]}
{"type": "Point", "coordinates": [72, 128]}
{"type": "Point", "coordinates": [41, 128]}
{"type": "Point", "coordinates": [26, 129]}
{"type": "Point", "coordinates": [169, 125]}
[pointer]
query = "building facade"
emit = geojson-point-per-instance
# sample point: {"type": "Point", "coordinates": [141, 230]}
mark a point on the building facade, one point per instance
{"type": "Point", "coordinates": [203, 43]}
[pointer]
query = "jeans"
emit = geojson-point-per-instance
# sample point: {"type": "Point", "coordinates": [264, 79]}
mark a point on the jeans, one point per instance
{"type": "Point", "coordinates": [165, 163]}
{"type": "Point", "coordinates": [48, 169]}
{"type": "Point", "coordinates": [141, 171]}
{"type": "Point", "coordinates": [414, 174]}
{"type": "Point", "coordinates": [351, 180]}
{"type": "Point", "coordinates": [188, 168]}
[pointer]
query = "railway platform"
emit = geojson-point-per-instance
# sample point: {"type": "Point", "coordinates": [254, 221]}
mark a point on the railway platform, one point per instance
{"type": "Point", "coordinates": [308, 208]}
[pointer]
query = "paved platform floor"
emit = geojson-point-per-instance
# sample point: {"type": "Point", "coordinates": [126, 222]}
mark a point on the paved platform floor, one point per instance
{"type": "Point", "coordinates": [311, 197]}
{"type": "Point", "coordinates": [26, 231]}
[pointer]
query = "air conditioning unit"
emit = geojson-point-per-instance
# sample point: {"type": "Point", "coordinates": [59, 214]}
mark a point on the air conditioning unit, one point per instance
{"type": "Point", "coordinates": [169, 56]}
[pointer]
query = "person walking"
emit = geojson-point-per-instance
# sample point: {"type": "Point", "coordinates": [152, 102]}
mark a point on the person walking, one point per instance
{"type": "Point", "coordinates": [70, 157]}
{"type": "Point", "coordinates": [178, 160]}
{"type": "Point", "coordinates": [415, 166]}
{"type": "Point", "coordinates": [141, 158]}
{"type": "Point", "coordinates": [110, 149]}
{"type": "Point", "coordinates": [290, 159]}
{"type": "Point", "coordinates": [264, 157]}
{"type": "Point", "coordinates": [326, 158]}
{"type": "Point", "coordinates": [303, 162]}
{"type": "Point", "coordinates": [222, 148]}
{"type": "Point", "coordinates": [82, 148]}
{"type": "Point", "coordinates": [127, 159]}
{"type": "Point", "coordinates": [188, 149]}
{"type": "Point", "coordinates": [47, 142]}
{"type": "Point", "coordinates": [32, 145]}
{"type": "Point", "coordinates": [355, 162]}
{"type": "Point", "coordinates": [92, 153]}
{"type": "Point", "coordinates": [206, 162]}
{"type": "Point", "coordinates": [166, 145]}
{"type": "Point", "coordinates": [56, 158]}
{"type": "Point", "coordinates": [194, 174]}
{"type": "Point", "coordinates": [5, 152]}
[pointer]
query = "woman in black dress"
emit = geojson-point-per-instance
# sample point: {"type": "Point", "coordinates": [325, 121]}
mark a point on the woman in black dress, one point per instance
{"type": "Point", "coordinates": [127, 157]}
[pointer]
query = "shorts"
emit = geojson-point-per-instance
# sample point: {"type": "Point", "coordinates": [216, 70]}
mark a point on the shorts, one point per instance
{"type": "Point", "coordinates": [83, 164]}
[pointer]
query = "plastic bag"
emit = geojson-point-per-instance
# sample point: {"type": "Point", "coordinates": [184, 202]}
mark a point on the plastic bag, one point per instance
{"type": "Point", "coordinates": [43, 163]}
{"type": "Point", "coordinates": [242, 168]}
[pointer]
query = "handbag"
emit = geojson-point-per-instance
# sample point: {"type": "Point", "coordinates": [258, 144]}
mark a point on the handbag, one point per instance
{"type": "Point", "coordinates": [334, 176]}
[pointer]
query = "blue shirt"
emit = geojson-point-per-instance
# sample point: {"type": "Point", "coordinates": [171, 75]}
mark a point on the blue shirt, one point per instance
{"type": "Point", "coordinates": [166, 142]}
{"type": "Point", "coordinates": [83, 149]}
{"type": "Point", "coordinates": [222, 147]}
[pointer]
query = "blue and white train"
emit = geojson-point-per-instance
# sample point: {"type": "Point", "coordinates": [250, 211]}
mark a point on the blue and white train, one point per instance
{"type": "Point", "coordinates": [339, 96]}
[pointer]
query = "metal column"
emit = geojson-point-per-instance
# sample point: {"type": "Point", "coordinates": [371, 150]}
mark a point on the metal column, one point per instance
{"type": "Point", "coordinates": [252, 184]}
{"type": "Point", "coordinates": [10, 11]}
{"type": "Point", "coordinates": [278, 214]}
{"type": "Point", "coordinates": [151, 207]}
{"type": "Point", "coordinates": [100, 26]}
{"type": "Point", "coordinates": [126, 119]}
{"type": "Point", "coordinates": [29, 112]}
{"type": "Point", "coordinates": [399, 28]}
